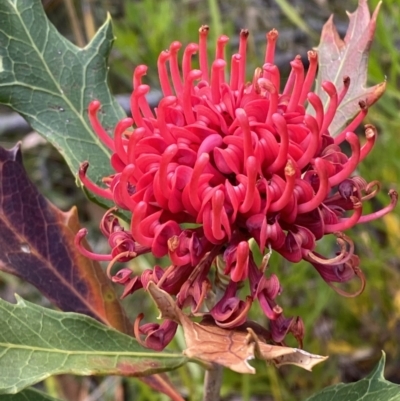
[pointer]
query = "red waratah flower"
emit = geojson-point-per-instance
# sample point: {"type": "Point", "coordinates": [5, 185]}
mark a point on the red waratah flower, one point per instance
{"type": "Point", "coordinates": [237, 160]}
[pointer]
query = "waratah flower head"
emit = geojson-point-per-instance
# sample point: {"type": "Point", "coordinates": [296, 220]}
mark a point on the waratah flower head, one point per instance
{"type": "Point", "coordinates": [236, 160]}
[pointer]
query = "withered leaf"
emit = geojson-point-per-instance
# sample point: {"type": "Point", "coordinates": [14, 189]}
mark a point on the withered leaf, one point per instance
{"type": "Point", "coordinates": [348, 57]}
{"type": "Point", "coordinates": [37, 244]}
{"type": "Point", "coordinates": [288, 356]}
{"type": "Point", "coordinates": [233, 349]}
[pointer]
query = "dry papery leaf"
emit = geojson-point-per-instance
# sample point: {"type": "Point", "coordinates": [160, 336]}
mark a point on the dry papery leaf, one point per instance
{"type": "Point", "coordinates": [211, 344]}
{"type": "Point", "coordinates": [348, 58]}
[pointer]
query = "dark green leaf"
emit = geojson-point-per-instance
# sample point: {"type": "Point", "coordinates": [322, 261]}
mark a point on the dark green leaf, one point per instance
{"type": "Point", "coordinates": [28, 394]}
{"type": "Point", "coordinates": [37, 244]}
{"type": "Point", "coordinates": [51, 82]}
{"type": "Point", "coordinates": [373, 388]}
{"type": "Point", "coordinates": [36, 342]}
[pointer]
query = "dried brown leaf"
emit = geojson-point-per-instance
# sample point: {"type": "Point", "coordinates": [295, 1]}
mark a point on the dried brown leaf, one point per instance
{"type": "Point", "coordinates": [233, 349]}
{"type": "Point", "coordinates": [348, 57]}
{"type": "Point", "coordinates": [292, 356]}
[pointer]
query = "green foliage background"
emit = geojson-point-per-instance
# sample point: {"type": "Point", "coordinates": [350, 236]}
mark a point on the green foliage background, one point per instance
{"type": "Point", "coordinates": [351, 331]}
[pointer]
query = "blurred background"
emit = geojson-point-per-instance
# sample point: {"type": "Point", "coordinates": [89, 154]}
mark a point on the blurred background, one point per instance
{"type": "Point", "coordinates": [351, 331]}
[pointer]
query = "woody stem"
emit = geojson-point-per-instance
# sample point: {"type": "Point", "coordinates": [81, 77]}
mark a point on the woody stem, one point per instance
{"type": "Point", "coordinates": [212, 383]}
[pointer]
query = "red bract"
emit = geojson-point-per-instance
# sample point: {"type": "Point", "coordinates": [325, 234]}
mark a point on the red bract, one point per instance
{"type": "Point", "coordinates": [237, 161]}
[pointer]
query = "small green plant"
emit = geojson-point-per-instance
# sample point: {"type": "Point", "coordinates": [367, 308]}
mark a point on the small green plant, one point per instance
{"type": "Point", "coordinates": [224, 175]}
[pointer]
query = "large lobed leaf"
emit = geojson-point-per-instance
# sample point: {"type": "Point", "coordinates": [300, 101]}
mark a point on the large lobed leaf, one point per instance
{"type": "Point", "coordinates": [36, 342]}
{"type": "Point", "coordinates": [373, 388]}
{"type": "Point", "coordinates": [50, 82]}
{"type": "Point", "coordinates": [37, 244]}
{"type": "Point", "coordinates": [348, 58]}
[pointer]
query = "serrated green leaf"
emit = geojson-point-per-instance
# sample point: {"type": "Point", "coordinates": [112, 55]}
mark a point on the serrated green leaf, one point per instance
{"type": "Point", "coordinates": [373, 388]}
{"type": "Point", "coordinates": [50, 82]}
{"type": "Point", "coordinates": [36, 343]}
{"type": "Point", "coordinates": [29, 394]}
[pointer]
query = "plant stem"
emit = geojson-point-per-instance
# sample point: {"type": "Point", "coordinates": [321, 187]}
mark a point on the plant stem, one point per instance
{"type": "Point", "coordinates": [213, 383]}
{"type": "Point", "coordinates": [73, 17]}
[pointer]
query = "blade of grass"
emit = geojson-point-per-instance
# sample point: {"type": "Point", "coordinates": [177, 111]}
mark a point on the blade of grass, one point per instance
{"type": "Point", "coordinates": [215, 14]}
{"type": "Point", "coordinates": [292, 15]}
{"type": "Point", "coordinates": [88, 19]}
{"type": "Point", "coordinates": [73, 18]}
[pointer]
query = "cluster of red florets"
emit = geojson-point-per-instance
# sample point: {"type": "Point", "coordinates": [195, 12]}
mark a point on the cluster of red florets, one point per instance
{"type": "Point", "coordinates": [237, 161]}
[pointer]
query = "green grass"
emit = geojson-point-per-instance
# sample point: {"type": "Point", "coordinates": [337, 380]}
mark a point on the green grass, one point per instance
{"type": "Point", "coordinates": [336, 326]}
